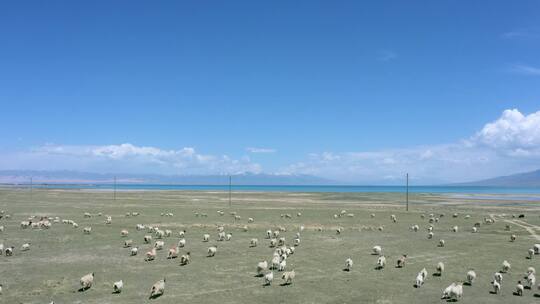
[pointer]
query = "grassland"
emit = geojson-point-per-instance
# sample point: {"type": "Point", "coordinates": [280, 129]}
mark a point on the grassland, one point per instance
{"type": "Point", "coordinates": [59, 256]}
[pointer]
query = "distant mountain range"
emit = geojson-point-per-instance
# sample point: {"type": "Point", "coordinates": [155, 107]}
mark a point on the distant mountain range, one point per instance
{"type": "Point", "coordinates": [75, 177]}
{"type": "Point", "coordinates": [527, 179]}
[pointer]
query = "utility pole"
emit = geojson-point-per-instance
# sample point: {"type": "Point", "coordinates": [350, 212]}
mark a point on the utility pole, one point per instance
{"type": "Point", "coordinates": [407, 192]}
{"type": "Point", "coordinates": [230, 186]}
{"type": "Point", "coordinates": [114, 193]}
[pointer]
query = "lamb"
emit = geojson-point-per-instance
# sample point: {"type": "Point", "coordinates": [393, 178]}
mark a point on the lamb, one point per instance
{"type": "Point", "coordinates": [440, 269]}
{"type": "Point", "coordinates": [441, 243]}
{"type": "Point", "coordinates": [158, 245]}
{"type": "Point", "coordinates": [173, 253]}
{"type": "Point", "coordinates": [87, 281]}
{"type": "Point", "coordinates": [348, 264]}
{"type": "Point", "coordinates": [377, 250]}
{"type": "Point", "coordinates": [471, 276]}
{"type": "Point", "coordinates": [25, 247]}
{"type": "Point", "coordinates": [212, 251]}
{"type": "Point", "coordinates": [519, 289]}
{"type": "Point", "coordinates": [288, 277]}
{"type": "Point", "coordinates": [185, 259]}
{"type": "Point", "coordinates": [134, 251]}
{"type": "Point", "coordinates": [401, 261]}
{"type": "Point", "coordinates": [158, 289]}
{"type": "Point", "coordinates": [206, 237]}
{"type": "Point", "coordinates": [253, 242]}
{"type": "Point", "coordinates": [381, 262]}
{"type": "Point", "coordinates": [496, 287]}
{"type": "Point", "coordinates": [117, 286]}
{"type": "Point", "coordinates": [128, 243]}
{"type": "Point", "coordinates": [261, 266]}
{"type": "Point", "coordinates": [268, 278]}
{"type": "Point", "coordinates": [182, 243]}
{"type": "Point", "coordinates": [506, 266]}
{"type": "Point", "coordinates": [87, 230]}
{"type": "Point", "coordinates": [147, 239]}
{"type": "Point", "coordinates": [151, 255]}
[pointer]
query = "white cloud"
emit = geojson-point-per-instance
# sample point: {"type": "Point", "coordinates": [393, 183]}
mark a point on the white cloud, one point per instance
{"type": "Point", "coordinates": [525, 70]}
{"type": "Point", "coordinates": [126, 158]}
{"type": "Point", "coordinates": [260, 150]}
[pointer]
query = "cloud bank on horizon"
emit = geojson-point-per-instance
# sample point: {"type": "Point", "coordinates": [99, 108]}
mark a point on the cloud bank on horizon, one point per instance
{"type": "Point", "coordinates": [510, 144]}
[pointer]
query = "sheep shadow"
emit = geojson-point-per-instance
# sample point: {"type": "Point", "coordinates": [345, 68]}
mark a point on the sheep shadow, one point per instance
{"type": "Point", "coordinates": [116, 292]}
{"type": "Point", "coordinates": [437, 274]}
{"type": "Point", "coordinates": [493, 292]}
{"type": "Point", "coordinates": [517, 294]}
{"type": "Point", "coordinates": [379, 268]}
{"type": "Point", "coordinates": [536, 295]}
{"type": "Point", "coordinates": [152, 297]}
{"type": "Point", "coordinates": [284, 284]}
{"type": "Point", "coordinates": [83, 289]}
{"type": "Point", "coordinates": [346, 269]}
{"type": "Point", "coordinates": [258, 275]}
{"type": "Point", "coordinates": [467, 284]}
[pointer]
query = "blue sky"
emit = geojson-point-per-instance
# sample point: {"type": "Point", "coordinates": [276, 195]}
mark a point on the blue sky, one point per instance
{"type": "Point", "coordinates": [348, 90]}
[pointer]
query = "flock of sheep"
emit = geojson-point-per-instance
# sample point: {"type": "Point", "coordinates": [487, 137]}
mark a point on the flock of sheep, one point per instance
{"type": "Point", "coordinates": [282, 251]}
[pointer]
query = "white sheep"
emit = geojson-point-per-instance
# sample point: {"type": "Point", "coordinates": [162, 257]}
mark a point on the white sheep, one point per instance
{"type": "Point", "coordinates": [268, 234]}
{"type": "Point", "coordinates": [531, 270]}
{"type": "Point", "coordinates": [250, 220]}
{"type": "Point", "coordinates": [455, 229]}
{"type": "Point", "coordinates": [206, 237]}
{"type": "Point", "coordinates": [108, 221]}
{"type": "Point", "coordinates": [430, 235]}
{"type": "Point", "coordinates": [498, 277]}
{"type": "Point", "coordinates": [419, 281]}
{"type": "Point", "coordinates": [506, 266]}
{"type": "Point", "coordinates": [212, 251]}
{"type": "Point", "coordinates": [158, 289]}
{"type": "Point", "coordinates": [377, 250]}
{"type": "Point", "coordinates": [182, 243]}
{"type": "Point", "coordinates": [261, 267]}
{"type": "Point", "coordinates": [118, 286]}
{"type": "Point", "coordinates": [536, 248]}
{"type": "Point", "coordinates": [253, 242]}
{"type": "Point", "coordinates": [513, 237]}
{"type": "Point", "coordinates": [134, 251]}
{"type": "Point", "coordinates": [268, 278]}
{"type": "Point", "coordinates": [185, 258]}
{"type": "Point", "coordinates": [471, 276]}
{"type": "Point", "coordinates": [296, 242]}
{"type": "Point", "coordinates": [531, 280]}
{"type": "Point", "coordinates": [447, 291]}
{"type": "Point", "coordinates": [519, 289]}
{"type": "Point", "coordinates": [151, 255]}
{"type": "Point", "coordinates": [288, 277]}
{"type": "Point", "coordinates": [381, 262]}
{"type": "Point", "coordinates": [282, 265]}
{"type": "Point", "coordinates": [474, 230]}
{"type": "Point", "coordinates": [173, 253]}
{"type": "Point", "coordinates": [440, 268]}
{"type": "Point", "coordinates": [531, 253]}
{"type": "Point", "coordinates": [401, 261]}
{"type": "Point", "coordinates": [441, 243]}
{"type": "Point", "coordinates": [348, 264]}
{"type": "Point", "coordinates": [158, 245]}
{"type": "Point", "coordinates": [87, 230]}
{"type": "Point", "coordinates": [393, 218]}
{"type": "Point", "coordinates": [25, 247]}
{"type": "Point", "coordinates": [228, 236]}
{"type": "Point", "coordinates": [276, 259]}
{"type": "Point", "coordinates": [496, 287]}
{"type": "Point", "coordinates": [87, 281]}
{"type": "Point", "coordinates": [182, 233]}
{"type": "Point", "coordinates": [147, 239]}
{"type": "Point", "coordinates": [128, 243]}
{"type": "Point", "coordinates": [273, 243]}
{"type": "Point", "coordinates": [168, 232]}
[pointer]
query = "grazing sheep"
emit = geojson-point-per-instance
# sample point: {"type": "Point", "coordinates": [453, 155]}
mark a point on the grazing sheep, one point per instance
{"type": "Point", "coordinates": [415, 228]}
{"type": "Point", "coordinates": [182, 233]}
{"type": "Point", "coordinates": [531, 253]}
{"type": "Point", "coordinates": [168, 232]}
{"type": "Point", "coordinates": [288, 277]}
{"type": "Point", "coordinates": [474, 230]}
{"type": "Point", "coordinates": [513, 237]}
{"type": "Point", "coordinates": [128, 243]}
{"type": "Point", "coordinates": [282, 265]}
{"type": "Point", "coordinates": [424, 272]}
{"type": "Point", "coordinates": [377, 250]}
{"type": "Point", "coordinates": [440, 269]}
{"type": "Point", "coordinates": [134, 251]}
{"type": "Point", "coordinates": [206, 237]}
{"type": "Point", "coordinates": [536, 248]}
{"type": "Point", "coordinates": [1, 289]}
{"type": "Point", "coordinates": [1, 248]}
{"type": "Point", "coordinates": [496, 287]}
{"type": "Point", "coordinates": [221, 236]}
{"type": "Point", "coordinates": [212, 251]}
{"type": "Point", "coordinates": [182, 243]}
{"type": "Point", "coordinates": [296, 242]}
{"type": "Point", "coordinates": [25, 247]}
{"type": "Point", "coordinates": [441, 243]}
{"type": "Point", "coordinates": [250, 220]}
{"type": "Point", "coordinates": [348, 264]}
{"type": "Point", "coordinates": [381, 262]}
{"type": "Point", "coordinates": [339, 230]}
{"type": "Point", "coordinates": [268, 234]}
{"type": "Point", "coordinates": [117, 286]}
{"type": "Point", "coordinates": [228, 236]}
{"type": "Point", "coordinates": [87, 281]}
{"type": "Point", "coordinates": [498, 277]}
{"type": "Point", "coordinates": [273, 243]}
{"type": "Point", "coordinates": [456, 292]}
{"type": "Point", "coordinates": [173, 253]}
{"type": "Point", "coordinates": [253, 242]}
{"type": "Point", "coordinates": [158, 245]}
{"type": "Point", "coordinates": [531, 280]}
{"type": "Point", "coordinates": [87, 230]}
{"type": "Point", "coordinates": [519, 289]}
{"type": "Point", "coordinates": [419, 281]}
{"type": "Point", "coordinates": [531, 270]}
{"type": "Point", "coordinates": [393, 218]}
{"type": "Point", "coordinates": [275, 233]}
{"type": "Point", "coordinates": [401, 261]}
{"type": "Point", "coordinates": [471, 276]}
{"type": "Point", "coordinates": [108, 221]}
{"type": "Point", "coordinates": [150, 255]}
{"type": "Point", "coordinates": [160, 234]}
{"type": "Point", "coordinates": [447, 291]}
{"type": "Point", "coordinates": [372, 215]}
{"type": "Point", "coordinates": [430, 235]}
{"type": "Point", "coordinates": [455, 229]}
{"type": "Point", "coordinates": [275, 262]}
{"type": "Point", "coordinates": [261, 267]}
{"type": "Point", "coordinates": [185, 259]}
{"type": "Point", "coordinates": [506, 266]}
{"type": "Point", "coordinates": [147, 239]}
{"type": "Point", "coordinates": [268, 278]}
{"type": "Point", "coordinates": [299, 214]}
{"type": "Point", "coordinates": [158, 289]}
